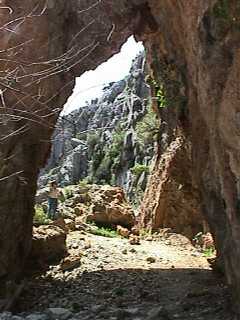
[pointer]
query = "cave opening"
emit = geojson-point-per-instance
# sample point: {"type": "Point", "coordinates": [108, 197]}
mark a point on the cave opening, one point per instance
{"type": "Point", "coordinates": [39, 45]}
{"type": "Point", "coordinates": [168, 217]}
{"type": "Point", "coordinates": [109, 131]}
{"type": "Point", "coordinates": [106, 106]}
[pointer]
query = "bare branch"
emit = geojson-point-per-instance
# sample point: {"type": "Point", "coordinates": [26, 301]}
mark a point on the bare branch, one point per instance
{"type": "Point", "coordinates": [91, 7]}
{"type": "Point", "coordinates": [14, 133]}
{"type": "Point", "coordinates": [111, 32]}
{"type": "Point", "coordinates": [7, 8]}
{"type": "Point", "coordinates": [11, 175]}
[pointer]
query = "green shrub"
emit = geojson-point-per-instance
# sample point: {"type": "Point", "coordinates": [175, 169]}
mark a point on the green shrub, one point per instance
{"type": "Point", "coordinates": [93, 139]}
{"type": "Point", "coordinates": [85, 183]}
{"type": "Point", "coordinates": [106, 159]}
{"type": "Point", "coordinates": [208, 252]}
{"type": "Point", "coordinates": [161, 97]}
{"type": "Point", "coordinates": [227, 16]}
{"type": "Point", "coordinates": [117, 143]}
{"type": "Point", "coordinates": [147, 129]}
{"type": "Point", "coordinates": [159, 92]}
{"type": "Point", "coordinates": [103, 172]}
{"type": "Point", "coordinates": [96, 159]}
{"type": "Point", "coordinates": [104, 232]}
{"type": "Point", "coordinates": [144, 232]}
{"type": "Point", "coordinates": [138, 169]}
{"type": "Point", "coordinates": [40, 217]}
{"type": "Point", "coordinates": [68, 192]}
{"type": "Point", "coordinates": [82, 136]}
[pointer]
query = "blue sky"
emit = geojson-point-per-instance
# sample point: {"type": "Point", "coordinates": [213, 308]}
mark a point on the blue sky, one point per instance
{"type": "Point", "coordinates": [90, 84]}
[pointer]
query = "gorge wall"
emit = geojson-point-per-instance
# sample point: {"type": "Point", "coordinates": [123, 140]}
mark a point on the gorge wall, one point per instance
{"type": "Point", "coordinates": [45, 45]}
{"type": "Point", "coordinates": [198, 44]}
{"type": "Point", "coordinates": [110, 140]}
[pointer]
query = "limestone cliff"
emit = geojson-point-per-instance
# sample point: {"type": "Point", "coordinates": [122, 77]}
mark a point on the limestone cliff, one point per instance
{"type": "Point", "coordinates": [48, 42]}
{"type": "Point", "coordinates": [110, 140]}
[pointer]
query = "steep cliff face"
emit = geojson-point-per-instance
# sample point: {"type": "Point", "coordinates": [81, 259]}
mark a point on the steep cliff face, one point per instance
{"type": "Point", "coordinates": [197, 41]}
{"type": "Point", "coordinates": [171, 200]}
{"type": "Point", "coordinates": [108, 141]}
{"type": "Point", "coordinates": [44, 44]}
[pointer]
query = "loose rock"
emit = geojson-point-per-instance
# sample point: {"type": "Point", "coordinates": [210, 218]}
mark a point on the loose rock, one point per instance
{"type": "Point", "coordinates": [59, 313]}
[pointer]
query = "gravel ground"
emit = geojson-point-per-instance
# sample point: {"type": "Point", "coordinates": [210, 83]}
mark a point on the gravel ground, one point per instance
{"type": "Point", "coordinates": [164, 279]}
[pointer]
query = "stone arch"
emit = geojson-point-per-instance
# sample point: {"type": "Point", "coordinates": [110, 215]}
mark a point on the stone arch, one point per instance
{"type": "Point", "coordinates": [45, 43]}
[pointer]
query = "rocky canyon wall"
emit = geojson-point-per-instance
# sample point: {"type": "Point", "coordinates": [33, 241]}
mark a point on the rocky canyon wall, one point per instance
{"type": "Point", "coordinates": [172, 198]}
{"type": "Point", "coordinates": [45, 45]}
{"type": "Point", "coordinates": [198, 41]}
{"type": "Point", "coordinates": [109, 140]}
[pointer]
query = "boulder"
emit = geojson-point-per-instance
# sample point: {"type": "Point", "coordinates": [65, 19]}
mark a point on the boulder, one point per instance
{"type": "Point", "coordinates": [48, 244]}
{"type": "Point", "coordinates": [124, 232]}
{"type": "Point", "coordinates": [41, 195]}
{"type": "Point", "coordinates": [59, 313]}
{"type": "Point", "coordinates": [36, 316]}
{"type": "Point", "coordinates": [79, 210]}
{"type": "Point", "coordinates": [60, 222]}
{"type": "Point", "coordinates": [134, 239]}
{"type": "Point", "coordinates": [70, 224]}
{"type": "Point", "coordinates": [110, 208]}
{"type": "Point", "coordinates": [66, 224]}
{"type": "Point", "coordinates": [135, 231]}
{"type": "Point", "coordinates": [71, 262]}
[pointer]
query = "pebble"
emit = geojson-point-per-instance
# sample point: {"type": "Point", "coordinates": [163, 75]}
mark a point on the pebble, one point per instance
{"type": "Point", "coordinates": [97, 308]}
{"type": "Point", "coordinates": [17, 318]}
{"type": "Point", "coordinates": [149, 238]}
{"type": "Point", "coordinates": [5, 316]}
{"type": "Point", "coordinates": [75, 246]}
{"type": "Point", "coordinates": [59, 313]}
{"type": "Point", "coordinates": [133, 311]}
{"type": "Point", "coordinates": [37, 316]}
{"type": "Point", "coordinates": [196, 254]}
{"type": "Point", "coordinates": [158, 313]}
{"type": "Point", "coordinates": [151, 259]}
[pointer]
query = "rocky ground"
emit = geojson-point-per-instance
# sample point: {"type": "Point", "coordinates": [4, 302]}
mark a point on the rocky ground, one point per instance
{"type": "Point", "coordinates": [111, 279]}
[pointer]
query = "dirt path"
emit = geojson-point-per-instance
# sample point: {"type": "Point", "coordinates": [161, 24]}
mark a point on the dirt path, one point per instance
{"type": "Point", "coordinates": [167, 279]}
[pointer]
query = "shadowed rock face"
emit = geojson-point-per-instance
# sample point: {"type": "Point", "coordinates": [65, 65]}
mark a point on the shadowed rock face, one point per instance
{"type": "Point", "coordinates": [196, 40]}
{"type": "Point", "coordinates": [199, 42]}
{"type": "Point", "coordinates": [44, 44]}
{"type": "Point", "coordinates": [171, 199]}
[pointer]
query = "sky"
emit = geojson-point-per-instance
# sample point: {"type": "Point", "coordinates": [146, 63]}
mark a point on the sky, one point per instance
{"type": "Point", "coordinates": [89, 85]}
